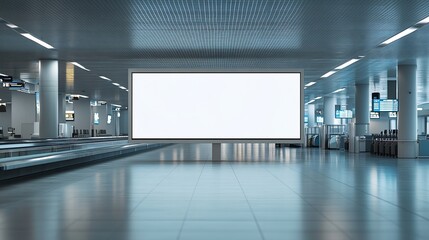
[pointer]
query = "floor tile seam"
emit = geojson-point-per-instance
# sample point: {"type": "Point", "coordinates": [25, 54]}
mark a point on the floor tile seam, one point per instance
{"type": "Point", "coordinates": [190, 202]}
{"type": "Point", "coordinates": [315, 209]}
{"type": "Point", "coordinates": [349, 186]}
{"type": "Point", "coordinates": [248, 203]}
{"type": "Point", "coordinates": [369, 194]}
{"type": "Point", "coordinates": [153, 189]}
{"type": "Point", "coordinates": [358, 189]}
{"type": "Point", "coordinates": [372, 195]}
{"type": "Point", "coordinates": [48, 191]}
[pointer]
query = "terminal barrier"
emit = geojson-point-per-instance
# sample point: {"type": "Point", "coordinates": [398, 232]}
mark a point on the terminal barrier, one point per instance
{"type": "Point", "coordinates": [385, 143]}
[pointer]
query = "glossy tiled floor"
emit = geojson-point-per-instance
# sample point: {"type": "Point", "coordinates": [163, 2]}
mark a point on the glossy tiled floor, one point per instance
{"type": "Point", "coordinates": [264, 193]}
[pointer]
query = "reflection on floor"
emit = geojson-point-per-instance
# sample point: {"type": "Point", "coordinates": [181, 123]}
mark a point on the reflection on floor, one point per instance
{"type": "Point", "coordinates": [259, 192]}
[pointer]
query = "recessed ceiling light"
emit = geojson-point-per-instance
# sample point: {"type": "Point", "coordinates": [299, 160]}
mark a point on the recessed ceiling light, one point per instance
{"type": "Point", "coordinates": [80, 66]}
{"type": "Point", "coordinates": [348, 63]}
{"type": "Point", "coordinates": [78, 95]}
{"type": "Point", "coordinates": [123, 88]}
{"type": "Point", "coordinates": [328, 74]}
{"type": "Point", "coordinates": [116, 84]}
{"type": "Point", "coordinates": [398, 36]}
{"type": "Point", "coordinates": [11, 25]}
{"type": "Point", "coordinates": [310, 84]}
{"type": "Point", "coordinates": [424, 21]}
{"type": "Point", "coordinates": [318, 98]}
{"type": "Point", "coordinates": [339, 90]}
{"type": "Point", "coordinates": [311, 101]}
{"type": "Point", "coordinates": [105, 78]}
{"type": "Point", "coordinates": [3, 75]}
{"type": "Point", "coordinates": [419, 109]}
{"type": "Point", "coordinates": [36, 40]}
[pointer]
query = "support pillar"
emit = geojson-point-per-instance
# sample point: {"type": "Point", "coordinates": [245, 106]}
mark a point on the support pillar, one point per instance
{"type": "Point", "coordinates": [329, 110]}
{"type": "Point", "coordinates": [362, 109]}
{"type": "Point", "coordinates": [407, 115]}
{"type": "Point", "coordinates": [48, 90]}
{"type": "Point", "coordinates": [311, 115]}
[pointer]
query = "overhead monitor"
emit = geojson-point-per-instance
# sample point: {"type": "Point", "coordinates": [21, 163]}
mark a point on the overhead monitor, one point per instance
{"type": "Point", "coordinates": [385, 105]}
{"type": "Point", "coordinates": [69, 115]}
{"type": "Point", "coordinates": [96, 118]}
{"type": "Point", "coordinates": [109, 118]}
{"type": "Point", "coordinates": [216, 107]}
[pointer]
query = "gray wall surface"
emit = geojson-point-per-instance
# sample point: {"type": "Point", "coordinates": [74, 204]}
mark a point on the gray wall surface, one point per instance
{"type": "Point", "coordinates": [82, 114]}
{"type": "Point", "coordinates": [5, 119]}
{"type": "Point", "coordinates": [23, 109]}
{"type": "Point", "coordinates": [123, 122]}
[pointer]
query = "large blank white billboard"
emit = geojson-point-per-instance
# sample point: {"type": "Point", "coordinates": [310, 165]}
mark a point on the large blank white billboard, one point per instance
{"type": "Point", "coordinates": [216, 107]}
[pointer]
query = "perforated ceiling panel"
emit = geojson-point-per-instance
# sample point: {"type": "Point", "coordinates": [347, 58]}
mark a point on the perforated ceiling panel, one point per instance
{"type": "Point", "coordinates": [110, 36]}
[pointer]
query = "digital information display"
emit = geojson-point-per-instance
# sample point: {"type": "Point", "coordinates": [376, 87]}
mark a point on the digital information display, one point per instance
{"type": "Point", "coordinates": [374, 115]}
{"type": "Point", "coordinates": [216, 107]}
{"type": "Point", "coordinates": [385, 105]}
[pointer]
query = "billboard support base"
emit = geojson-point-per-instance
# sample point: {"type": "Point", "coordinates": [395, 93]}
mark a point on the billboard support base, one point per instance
{"type": "Point", "coordinates": [216, 151]}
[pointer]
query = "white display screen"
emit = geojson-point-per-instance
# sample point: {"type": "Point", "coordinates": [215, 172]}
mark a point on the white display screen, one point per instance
{"type": "Point", "coordinates": [209, 107]}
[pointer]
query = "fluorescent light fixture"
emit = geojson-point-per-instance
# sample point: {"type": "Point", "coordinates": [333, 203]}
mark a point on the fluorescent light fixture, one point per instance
{"type": "Point", "coordinates": [424, 21]}
{"type": "Point", "coordinates": [3, 75]}
{"type": "Point", "coordinates": [116, 105]}
{"type": "Point", "coordinates": [80, 66]}
{"type": "Point", "coordinates": [116, 84]}
{"type": "Point", "coordinates": [328, 74]}
{"type": "Point", "coordinates": [317, 98]}
{"type": "Point", "coordinates": [123, 88]}
{"type": "Point", "coordinates": [398, 36]}
{"type": "Point", "coordinates": [348, 63]}
{"type": "Point", "coordinates": [419, 109]}
{"type": "Point", "coordinates": [310, 84]}
{"type": "Point", "coordinates": [339, 90]}
{"type": "Point", "coordinates": [78, 95]}
{"type": "Point", "coordinates": [311, 101]}
{"type": "Point", "coordinates": [36, 40]}
{"type": "Point", "coordinates": [105, 78]}
{"type": "Point", "coordinates": [11, 25]}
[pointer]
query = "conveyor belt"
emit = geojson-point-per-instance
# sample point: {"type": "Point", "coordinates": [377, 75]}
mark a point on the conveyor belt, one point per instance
{"type": "Point", "coordinates": [28, 147]}
{"type": "Point", "coordinates": [18, 166]}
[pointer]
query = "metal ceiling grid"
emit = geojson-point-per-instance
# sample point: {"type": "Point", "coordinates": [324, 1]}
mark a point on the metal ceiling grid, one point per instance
{"type": "Point", "coordinates": [110, 36]}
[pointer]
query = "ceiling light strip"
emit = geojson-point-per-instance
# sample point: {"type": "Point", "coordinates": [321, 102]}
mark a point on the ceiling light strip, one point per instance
{"type": "Point", "coordinates": [311, 101]}
{"type": "Point", "coordinates": [328, 74]}
{"type": "Point", "coordinates": [11, 25]}
{"type": "Point", "coordinates": [80, 66]}
{"type": "Point", "coordinates": [348, 63]}
{"type": "Point", "coordinates": [339, 90]}
{"type": "Point", "coordinates": [36, 40]}
{"type": "Point", "coordinates": [398, 36]}
{"type": "Point", "coordinates": [310, 84]}
{"type": "Point", "coordinates": [105, 78]}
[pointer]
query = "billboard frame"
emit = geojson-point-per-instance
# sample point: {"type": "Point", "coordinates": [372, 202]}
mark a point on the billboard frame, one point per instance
{"type": "Point", "coordinates": [131, 139]}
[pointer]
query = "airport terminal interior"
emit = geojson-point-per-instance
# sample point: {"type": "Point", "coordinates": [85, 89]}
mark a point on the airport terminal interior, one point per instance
{"type": "Point", "coordinates": [214, 119]}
